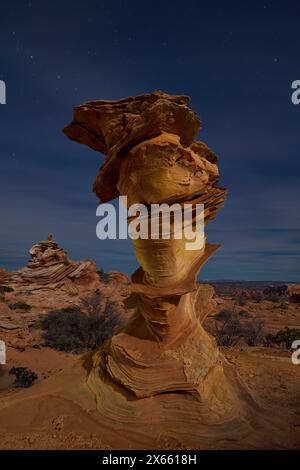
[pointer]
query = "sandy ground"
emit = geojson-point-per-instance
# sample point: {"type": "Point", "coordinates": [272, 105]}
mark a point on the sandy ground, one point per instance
{"type": "Point", "coordinates": [41, 418]}
{"type": "Point", "coordinates": [44, 417]}
{"type": "Point", "coordinates": [274, 315]}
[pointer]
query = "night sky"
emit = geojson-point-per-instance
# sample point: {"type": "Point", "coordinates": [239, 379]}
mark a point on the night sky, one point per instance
{"type": "Point", "coordinates": [236, 60]}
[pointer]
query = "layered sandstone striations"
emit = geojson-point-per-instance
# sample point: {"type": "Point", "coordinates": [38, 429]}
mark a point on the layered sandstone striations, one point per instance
{"type": "Point", "coordinates": [162, 367]}
{"type": "Point", "coordinates": [49, 264]}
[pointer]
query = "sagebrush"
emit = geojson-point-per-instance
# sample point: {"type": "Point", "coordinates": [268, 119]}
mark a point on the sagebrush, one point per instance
{"type": "Point", "coordinates": [82, 328]}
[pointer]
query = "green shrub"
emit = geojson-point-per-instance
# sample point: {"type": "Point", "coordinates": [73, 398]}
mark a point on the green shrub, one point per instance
{"type": "Point", "coordinates": [20, 306]}
{"type": "Point", "coordinates": [74, 308]}
{"type": "Point", "coordinates": [223, 315]}
{"type": "Point", "coordinates": [4, 289]}
{"type": "Point", "coordinates": [272, 297]}
{"type": "Point", "coordinates": [230, 329]}
{"type": "Point", "coordinates": [286, 337]}
{"type": "Point", "coordinates": [253, 332]}
{"type": "Point", "coordinates": [103, 275]}
{"type": "Point", "coordinates": [284, 305]}
{"type": "Point", "coordinates": [295, 298]}
{"type": "Point", "coordinates": [244, 314]}
{"type": "Point", "coordinates": [71, 330]}
{"type": "Point", "coordinates": [24, 377]}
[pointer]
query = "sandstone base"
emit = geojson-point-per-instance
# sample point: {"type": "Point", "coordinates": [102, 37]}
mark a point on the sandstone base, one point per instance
{"type": "Point", "coordinates": [224, 414]}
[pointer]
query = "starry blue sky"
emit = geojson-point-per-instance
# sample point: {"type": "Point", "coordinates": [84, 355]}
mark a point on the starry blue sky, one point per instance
{"type": "Point", "coordinates": [236, 60]}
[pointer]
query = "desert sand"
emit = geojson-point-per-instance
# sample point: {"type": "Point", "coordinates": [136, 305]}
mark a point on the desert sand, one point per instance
{"type": "Point", "coordinates": [48, 415]}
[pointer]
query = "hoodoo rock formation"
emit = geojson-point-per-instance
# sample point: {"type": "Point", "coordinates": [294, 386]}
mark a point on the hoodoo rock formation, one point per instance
{"type": "Point", "coordinates": [50, 264]}
{"type": "Point", "coordinates": [162, 373]}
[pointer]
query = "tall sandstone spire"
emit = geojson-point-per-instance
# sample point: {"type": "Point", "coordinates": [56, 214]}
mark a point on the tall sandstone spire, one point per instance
{"type": "Point", "coordinates": [162, 368]}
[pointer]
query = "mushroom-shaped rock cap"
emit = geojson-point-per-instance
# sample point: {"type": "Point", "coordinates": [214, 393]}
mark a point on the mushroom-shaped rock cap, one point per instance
{"type": "Point", "coordinates": [113, 127]}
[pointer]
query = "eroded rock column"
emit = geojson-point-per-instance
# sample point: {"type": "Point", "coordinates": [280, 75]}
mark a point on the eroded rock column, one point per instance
{"type": "Point", "coordinates": [152, 157]}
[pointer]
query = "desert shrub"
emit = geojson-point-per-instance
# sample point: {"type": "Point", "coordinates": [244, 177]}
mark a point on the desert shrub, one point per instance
{"type": "Point", "coordinates": [74, 308]}
{"type": "Point", "coordinates": [230, 328]}
{"type": "Point", "coordinates": [295, 298]}
{"type": "Point", "coordinates": [93, 305]}
{"type": "Point", "coordinates": [279, 291]}
{"type": "Point", "coordinates": [103, 275]}
{"type": "Point", "coordinates": [223, 315]}
{"type": "Point", "coordinates": [77, 331]}
{"type": "Point", "coordinates": [272, 297]}
{"type": "Point", "coordinates": [66, 262]}
{"type": "Point", "coordinates": [103, 326]}
{"type": "Point", "coordinates": [24, 377]}
{"type": "Point", "coordinates": [269, 341]}
{"type": "Point", "coordinates": [284, 305]}
{"type": "Point", "coordinates": [65, 331]}
{"type": "Point", "coordinates": [283, 337]}
{"type": "Point", "coordinates": [253, 333]}
{"type": "Point", "coordinates": [257, 297]}
{"type": "Point", "coordinates": [20, 306]}
{"type": "Point", "coordinates": [241, 300]}
{"type": "Point", "coordinates": [228, 332]}
{"type": "Point", "coordinates": [4, 289]}
{"type": "Point", "coordinates": [244, 314]}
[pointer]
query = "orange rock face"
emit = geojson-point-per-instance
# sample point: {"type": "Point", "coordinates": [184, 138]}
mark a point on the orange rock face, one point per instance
{"type": "Point", "coordinates": [163, 353]}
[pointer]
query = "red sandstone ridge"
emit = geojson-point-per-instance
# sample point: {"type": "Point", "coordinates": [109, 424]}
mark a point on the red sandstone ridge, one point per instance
{"type": "Point", "coordinates": [52, 282]}
{"type": "Point", "coordinates": [50, 264]}
{"type": "Point", "coordinates": [139, 375]}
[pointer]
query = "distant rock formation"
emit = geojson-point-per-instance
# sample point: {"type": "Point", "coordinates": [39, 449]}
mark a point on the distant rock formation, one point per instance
{"type": "Point", "coordinates": [46, 253]}
{"type": "Point", "coordinates": [122, 278]}
{"type": "Point", "coordinates": [50, 264]}
{"type": "Point", "coordinates": [163, 353]}
{"type": "Point", "coordinates": [291, 291]}
{"type": "Point", "coordinates": [281, 291]}
{"type": "Point", "coordinates": [294, 292]}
